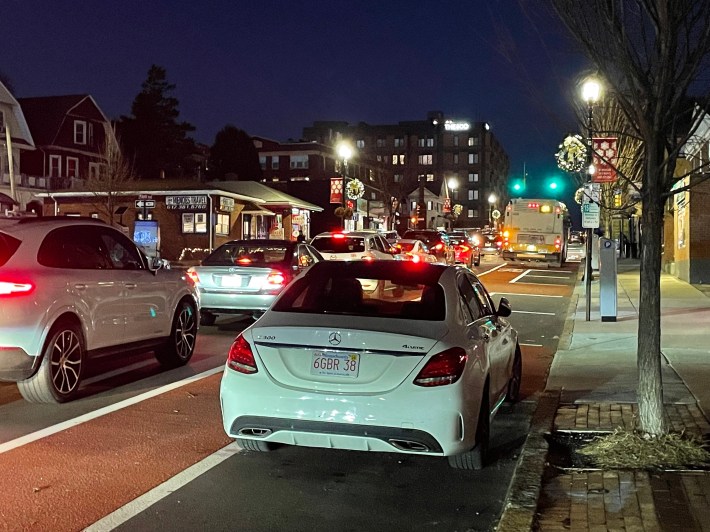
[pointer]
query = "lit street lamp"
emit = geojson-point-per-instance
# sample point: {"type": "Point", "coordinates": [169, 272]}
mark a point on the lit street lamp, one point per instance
{"type": "Point", "coordinates": [590, 94]}
{"type": "Point", "coordinates": [491, 200]}
{"type": "Point", "coordinates": [452, 185]}
{"type": "Point", "coordinates": [345, 152]}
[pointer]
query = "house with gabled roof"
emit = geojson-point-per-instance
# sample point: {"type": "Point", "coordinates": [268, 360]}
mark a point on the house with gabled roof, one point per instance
{"type": "Point", "coordinates": [15, 138]}
{"type": "Point", "coordinates": [71, 133]}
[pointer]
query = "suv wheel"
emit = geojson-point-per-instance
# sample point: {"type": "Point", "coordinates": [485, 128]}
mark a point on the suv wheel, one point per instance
{"type": "Point", "coordinates": [59, 374]}
{"type": "Point", "coordinates": [178, 348]}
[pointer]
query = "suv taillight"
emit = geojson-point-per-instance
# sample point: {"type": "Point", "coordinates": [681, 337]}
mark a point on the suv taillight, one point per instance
{"type": "Point", "coordinates": [192, 274]}
{"type": "Point", "coordinates": [443, 368]}
{"type": "Point", "coordinates": [241, 357]}
{"type": "Point", "coordinates": [10, 288]}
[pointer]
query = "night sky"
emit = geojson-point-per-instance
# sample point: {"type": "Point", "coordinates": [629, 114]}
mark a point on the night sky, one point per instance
{"type": "Point", "coordinates": [274, 67]}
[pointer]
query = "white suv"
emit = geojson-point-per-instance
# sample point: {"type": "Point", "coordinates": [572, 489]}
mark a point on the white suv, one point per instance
{"type": "Point", "coordinates": [353, 245]}
{"type": "Point", "coordinates": [75, 288]}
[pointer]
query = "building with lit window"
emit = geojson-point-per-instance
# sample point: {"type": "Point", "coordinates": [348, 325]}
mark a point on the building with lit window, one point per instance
{"type": "Point", "coordinates": [451, 158]}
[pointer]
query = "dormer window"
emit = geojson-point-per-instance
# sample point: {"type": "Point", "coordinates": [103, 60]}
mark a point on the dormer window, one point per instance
{"type": "Point", "coordinates": [79, 132]}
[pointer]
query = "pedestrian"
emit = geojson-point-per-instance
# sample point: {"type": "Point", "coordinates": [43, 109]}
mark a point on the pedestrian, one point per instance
{"type": "Point", "coordinates": [300, 237]}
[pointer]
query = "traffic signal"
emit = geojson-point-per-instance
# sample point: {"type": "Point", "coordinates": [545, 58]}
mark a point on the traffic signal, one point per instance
{"type": "Point", "coordinates": [517, 186]}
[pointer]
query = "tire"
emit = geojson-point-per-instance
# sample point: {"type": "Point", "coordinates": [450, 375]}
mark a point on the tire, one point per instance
{"type": "Point", "coordinates": [513, 395]}
{"type": "Point", "coordinates": [59, 374]}
{"type": "Point", "coordinates": [178, 348]}
{"type": "Point", "coordinates": [475, 459]}
{"type": "Point", "coordinates": [478, 261]}
{"type": "Point", "coordinates": [255, 445]}
{"type": "Point", "coordinates": [207, 318]}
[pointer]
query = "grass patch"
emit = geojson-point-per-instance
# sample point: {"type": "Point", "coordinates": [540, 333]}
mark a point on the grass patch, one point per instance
{"type": "Point", "coordinates": [631, 450]}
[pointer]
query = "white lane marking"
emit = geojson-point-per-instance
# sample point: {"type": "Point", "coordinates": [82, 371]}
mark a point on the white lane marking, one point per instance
{"type": "Point", "coordinates": [520, 276]}
{"type": "Point", "coordinates": [43, 433]}
{"type": "Point", "coordinates": [517, 294]}
{"type": "Point", "coordinates": [556, 271]}
{"type": "Point", "coordinates": [491, 270]}
{"type": "Point", "coordinates": [543, 284]}
{"type": "Point", "coordinates": [532, 345]}
{"type": "Point", "coordinates": [531, 312]}
{"type": "Point", "coordinates": [148, 499]}
{"type": "Point", "coordinates": [548, 276]}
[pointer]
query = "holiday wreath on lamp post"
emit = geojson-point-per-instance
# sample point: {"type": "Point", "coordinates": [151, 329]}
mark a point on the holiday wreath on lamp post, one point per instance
{"type": "Point", "coordinates": [571, 155]}
{"type": "Point", "coordinates": [355, 189]}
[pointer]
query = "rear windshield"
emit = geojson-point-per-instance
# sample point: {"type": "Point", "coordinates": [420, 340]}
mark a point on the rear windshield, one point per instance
{"type": "Point", "coordinates": [382, 296]}
{"type": "Point", "coordinates": [247, 254]}
{"type": "Point", "coordinates": [458, 240]}
{"type": "Point", "coordinates": [427, 238]}
{"type": "Point", "coordinates": [406, 246]}
{"type": "Point", "coordinates": [347, 244]}
{"type": "Point", "coordinates": [8, 246]}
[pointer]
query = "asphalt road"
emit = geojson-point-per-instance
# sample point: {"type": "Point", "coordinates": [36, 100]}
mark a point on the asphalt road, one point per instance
{"type": "Point", "coordinates": [144, 449]}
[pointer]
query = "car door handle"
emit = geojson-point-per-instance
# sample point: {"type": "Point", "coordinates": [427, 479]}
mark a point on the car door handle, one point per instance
{"type": "Point", "coordinates": [131, 285]}
{"type": "Point", "coordinates": [80, 286]}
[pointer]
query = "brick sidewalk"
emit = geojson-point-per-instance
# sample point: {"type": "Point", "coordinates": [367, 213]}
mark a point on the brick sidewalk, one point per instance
{"type": "Point", "coordinates": [596, 500]}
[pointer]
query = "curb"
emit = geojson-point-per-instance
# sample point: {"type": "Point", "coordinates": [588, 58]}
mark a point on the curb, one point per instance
{"type": "Point", "coordinates": [524, 492]}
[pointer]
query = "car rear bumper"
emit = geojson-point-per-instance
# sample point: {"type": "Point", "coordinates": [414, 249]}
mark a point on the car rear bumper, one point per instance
{"type": "Point", "coordinates": [214, 302]}
{"type": "Point", "coordinates": [431, 421]}
{"type": "Point", "coordinates": [16, 364]}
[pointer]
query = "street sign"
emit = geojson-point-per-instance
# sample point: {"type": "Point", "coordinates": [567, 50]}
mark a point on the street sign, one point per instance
{"type": "Point", "coordinates": [590, 215]}
{"type": "Point", "coordinates": [592, 193]}
{"type": "Point", "coordinates": [145, 204]}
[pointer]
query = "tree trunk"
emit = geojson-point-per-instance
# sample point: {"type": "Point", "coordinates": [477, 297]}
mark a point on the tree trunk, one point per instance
{"type": "Point", "coordinates": [650, 384]}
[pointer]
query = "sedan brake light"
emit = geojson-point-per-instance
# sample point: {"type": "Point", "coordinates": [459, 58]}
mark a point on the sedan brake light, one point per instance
{"type": "Point", "coordinates": [275, 279]}
{"type": "Point", "coordinates": [439, 246]}
{"type": "Point", "coordinates": [241, 357]}
{"type": "Point", "coordinates": [9, 288]}
{"type": "Point", "coordinates": [443, 368]}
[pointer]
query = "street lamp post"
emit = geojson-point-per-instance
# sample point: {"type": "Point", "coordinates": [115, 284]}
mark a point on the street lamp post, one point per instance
{"type": "Point", "coordinates": [590, 94]}
{"type": "Point", "coordinates": [345, 152]}
{"type": "Point", "coordinates": [451, 185]}
{"type": "Point", "coordinates": [491, 200]}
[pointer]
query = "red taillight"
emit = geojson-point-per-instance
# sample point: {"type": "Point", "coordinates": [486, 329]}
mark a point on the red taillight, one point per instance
{"type": "Point", "coordinates": [241, 357]}
{"type": "Point", "coordinates": [464, 249]}
{"type": "Point", "coordinates": [499, 243]}
{"type": "Point", "coordinates": [414, 258]}
{"type": "Point", "coordinates": [192, 274]}
{"type": "Point", "coordinates": [275, 279]}
{"type": "Point", "coordinates": [443, 368]}
{"type": "Point", "coordinates": [558, 243]}
{"type": "Point", "coordinates": [244, 260]}
{"type": "Point", "coordinates": [439, 246]}
{"type": "Point", "coordinates": [338, 235]}
{"type": "Point", "coordinates": [15, 288]}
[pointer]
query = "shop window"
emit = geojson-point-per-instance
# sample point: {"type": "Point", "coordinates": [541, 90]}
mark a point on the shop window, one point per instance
{"type": "Point", "coordinates": [194, 222]}
{"type": "Point", "coordinates": [222, 224]}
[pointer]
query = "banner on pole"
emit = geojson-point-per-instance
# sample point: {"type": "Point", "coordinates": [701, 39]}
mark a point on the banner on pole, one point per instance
{"type": "Point", "coordinates": [605, 159]}
{"type": "Point", "coordinates": [336, 190]}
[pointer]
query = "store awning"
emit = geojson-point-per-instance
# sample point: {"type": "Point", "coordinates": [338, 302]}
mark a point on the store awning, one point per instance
{"type": "Point", "coordinates": [252, 208]}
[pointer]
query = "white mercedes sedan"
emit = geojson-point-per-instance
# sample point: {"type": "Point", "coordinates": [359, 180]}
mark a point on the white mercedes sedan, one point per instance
{"type": "Point", "coordinates": [419, 366]}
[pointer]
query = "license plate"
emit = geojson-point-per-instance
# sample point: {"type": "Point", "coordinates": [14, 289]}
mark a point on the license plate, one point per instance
{"type": "Point", "coordinates": [335, 364]}
{"type": "Point", "coordinates": [532, 248]}
{"type": "Point", "coordinates": [232, 281]}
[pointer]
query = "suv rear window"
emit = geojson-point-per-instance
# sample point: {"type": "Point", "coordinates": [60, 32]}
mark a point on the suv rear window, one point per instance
{"type": "Point", "coordinates": [428, 237]}
{"type": "Point", "coordinates": [243, 253]}
{"type": "Point", "coordinates": [8, 246]}
{"type": "Point", "coordinates": [348, 244]}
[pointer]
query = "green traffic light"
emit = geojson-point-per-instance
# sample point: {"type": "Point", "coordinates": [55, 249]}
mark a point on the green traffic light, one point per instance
{"type": "Point", "coordinates": [517, 187]}
{"type": "Point", "coordinates": [553, 185]}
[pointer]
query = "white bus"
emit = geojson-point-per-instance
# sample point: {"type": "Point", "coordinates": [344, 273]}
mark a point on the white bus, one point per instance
{"type": "Point", "coordinates": [536, 229]}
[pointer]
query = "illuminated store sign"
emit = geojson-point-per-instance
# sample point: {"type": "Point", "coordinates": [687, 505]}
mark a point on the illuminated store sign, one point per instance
{"type": "Point", "coordinates": [450, 125]}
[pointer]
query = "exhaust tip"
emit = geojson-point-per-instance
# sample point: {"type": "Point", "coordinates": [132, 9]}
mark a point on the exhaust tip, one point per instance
{"type": "Point", "coordinates": [411, 446]}
{"type": "Point", "coordinates": [257, 432]}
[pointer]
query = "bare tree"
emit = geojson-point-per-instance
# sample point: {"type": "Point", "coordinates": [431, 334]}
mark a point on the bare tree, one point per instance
{"type": "Point", "coordinates": [113, 177]}
{"type": "Point", "coordinates": [652, 54]}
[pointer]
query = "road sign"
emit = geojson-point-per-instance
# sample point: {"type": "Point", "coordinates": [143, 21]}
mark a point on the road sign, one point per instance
{"type": "Point", "coordinates": [592, 193]}
{"type": "Point", "coordinates": [145, 204]}
{"type": "Point", "coordinates": [590, 215]}
{"type": "Point", "coordinates": [495, 214]}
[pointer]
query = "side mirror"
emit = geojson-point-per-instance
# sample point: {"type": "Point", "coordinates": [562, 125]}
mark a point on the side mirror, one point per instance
{"type": "Point", "coordinates": [504, 309]}
{"type": "Point", "coordinates": [158, 263]}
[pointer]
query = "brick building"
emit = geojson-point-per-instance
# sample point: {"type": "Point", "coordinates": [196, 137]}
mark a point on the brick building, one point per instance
{"type": "Point", "coordinates": [457, 159]}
